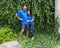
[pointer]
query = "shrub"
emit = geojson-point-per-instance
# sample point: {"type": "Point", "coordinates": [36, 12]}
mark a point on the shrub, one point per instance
{"type": "Point", "coordinates": [43, 11]}
{"type": "Point", "coordinates": [6, 34]}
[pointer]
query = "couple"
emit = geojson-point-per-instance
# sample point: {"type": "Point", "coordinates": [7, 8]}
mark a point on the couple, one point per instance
{"type": "Point", "coordinates": [27, 21]}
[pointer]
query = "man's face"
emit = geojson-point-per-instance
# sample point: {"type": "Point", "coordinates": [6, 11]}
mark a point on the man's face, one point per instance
{"type": "Point", "coordinates": [25, 8]}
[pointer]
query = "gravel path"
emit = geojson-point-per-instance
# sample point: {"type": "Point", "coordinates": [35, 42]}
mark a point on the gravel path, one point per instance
{"type": "Point", "coordinates": [11, 44]}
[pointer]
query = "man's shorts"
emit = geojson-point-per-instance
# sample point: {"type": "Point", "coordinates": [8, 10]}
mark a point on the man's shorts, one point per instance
{"type": "Point", "coordinates": [25, 26]}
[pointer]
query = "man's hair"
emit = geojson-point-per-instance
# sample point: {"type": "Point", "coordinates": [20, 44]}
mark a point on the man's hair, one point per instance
{"type": "Point", "coordinates": [23, 6]}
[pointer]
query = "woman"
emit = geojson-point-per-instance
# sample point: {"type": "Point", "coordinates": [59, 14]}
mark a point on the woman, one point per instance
{"type": "Point", "coordinates": [31, 23]}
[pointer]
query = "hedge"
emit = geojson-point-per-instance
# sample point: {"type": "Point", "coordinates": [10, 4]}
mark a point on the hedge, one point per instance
{"type": "Point", "coordinates": [43, 10]}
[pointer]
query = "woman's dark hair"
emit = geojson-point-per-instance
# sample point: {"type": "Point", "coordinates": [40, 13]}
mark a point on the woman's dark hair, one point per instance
{"type": "Point", "coordinates": [30, 11]}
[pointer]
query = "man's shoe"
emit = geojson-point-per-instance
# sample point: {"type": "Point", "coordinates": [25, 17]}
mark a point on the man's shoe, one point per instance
{"type": "Point", "coordinates": [19, 40]}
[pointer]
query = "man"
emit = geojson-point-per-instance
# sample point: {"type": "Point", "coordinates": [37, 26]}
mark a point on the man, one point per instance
{"type": "Point", "coordinates": [22, 16]}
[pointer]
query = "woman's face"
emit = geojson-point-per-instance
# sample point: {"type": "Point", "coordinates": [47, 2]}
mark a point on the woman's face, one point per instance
{"type": "Point", "coordinates": [28, 12]}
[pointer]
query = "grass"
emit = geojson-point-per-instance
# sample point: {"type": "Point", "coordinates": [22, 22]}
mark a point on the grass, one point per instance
{"type": "Point", "coordinates": [41, 41]}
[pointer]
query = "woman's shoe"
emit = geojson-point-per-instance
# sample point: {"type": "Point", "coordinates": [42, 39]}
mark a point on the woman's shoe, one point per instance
{"type": "Point", "coordinates": [33, 38]}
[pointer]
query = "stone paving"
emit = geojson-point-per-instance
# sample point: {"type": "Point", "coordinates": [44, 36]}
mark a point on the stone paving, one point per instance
{"type": "Point", "coordinates": [10, 44]}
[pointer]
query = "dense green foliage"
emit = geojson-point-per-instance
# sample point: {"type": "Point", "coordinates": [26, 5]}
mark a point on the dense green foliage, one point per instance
{"type": "Point", "coordinates": [6, 34]}
{"type": "Point", "coordinates": [43, 10]}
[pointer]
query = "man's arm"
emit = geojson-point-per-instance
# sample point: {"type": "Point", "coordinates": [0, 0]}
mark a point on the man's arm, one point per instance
{"type": "Point", "coordinates": [31, 20]}
{"type": "Point", "coordinates": [18, 17]}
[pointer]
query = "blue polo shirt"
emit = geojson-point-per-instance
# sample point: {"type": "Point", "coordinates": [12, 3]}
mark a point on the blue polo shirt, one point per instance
{"type": "Point", "coordinates": [23, 15]}
{"type": "Point", "coordinates": [30, 17]}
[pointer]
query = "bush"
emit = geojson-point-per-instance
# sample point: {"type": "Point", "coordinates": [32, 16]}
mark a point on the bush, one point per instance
{"type": "Point", "coordinates": [6, 34]}
{"type": "Point", "coordinates": [43, 11]}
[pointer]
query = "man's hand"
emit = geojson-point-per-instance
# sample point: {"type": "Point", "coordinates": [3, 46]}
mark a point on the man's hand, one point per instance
{"type": "Point", "coordinates": [19, 17]}
{"type": "Point", "coordinates": [28, 21]}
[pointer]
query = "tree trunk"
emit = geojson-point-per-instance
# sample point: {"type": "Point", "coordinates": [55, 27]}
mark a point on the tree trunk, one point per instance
{"type": "Point", "coordinates": [57, 13]}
